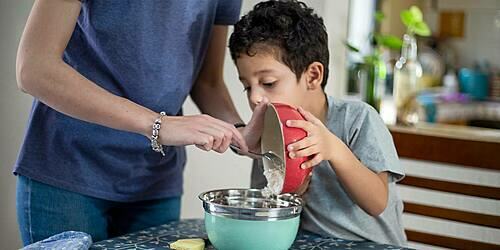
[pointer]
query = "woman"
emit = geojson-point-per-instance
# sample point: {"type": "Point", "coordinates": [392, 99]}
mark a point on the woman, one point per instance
{"type": "Point", "coordinates": [101, 72]}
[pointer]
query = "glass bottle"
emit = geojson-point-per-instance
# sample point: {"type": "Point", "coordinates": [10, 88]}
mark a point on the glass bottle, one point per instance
{"type": "Point", "coordinates": [374, 85]}
{"type": "Point", "coordinates": [407, 74]}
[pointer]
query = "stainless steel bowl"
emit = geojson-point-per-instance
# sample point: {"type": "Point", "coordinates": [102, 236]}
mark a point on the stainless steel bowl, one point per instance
{"type": "Point", "coordinates": [250, 204]}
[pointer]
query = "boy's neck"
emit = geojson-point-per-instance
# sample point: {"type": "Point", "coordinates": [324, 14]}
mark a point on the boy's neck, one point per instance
{"type": "Point", "coordinates": [318, 106]}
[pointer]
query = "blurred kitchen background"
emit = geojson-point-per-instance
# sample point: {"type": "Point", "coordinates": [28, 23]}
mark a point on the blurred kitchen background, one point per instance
{"type": "Point", "coordinates": [456, 97]}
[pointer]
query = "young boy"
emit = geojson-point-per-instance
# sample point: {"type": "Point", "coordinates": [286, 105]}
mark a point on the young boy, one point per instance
{"type": "Point", "coordinates": [281, 52]}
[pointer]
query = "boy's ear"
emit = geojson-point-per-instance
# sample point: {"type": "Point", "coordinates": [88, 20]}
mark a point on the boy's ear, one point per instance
{"type": "Point", "coordinates": [314, 75]}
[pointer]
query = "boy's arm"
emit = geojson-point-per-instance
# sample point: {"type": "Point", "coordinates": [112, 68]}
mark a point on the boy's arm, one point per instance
{"type": "Point", "coordinates": [368, 189]}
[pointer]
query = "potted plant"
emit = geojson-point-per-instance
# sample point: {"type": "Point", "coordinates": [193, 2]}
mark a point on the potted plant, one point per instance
{"type": "Point", "coordinates": [371, 71]}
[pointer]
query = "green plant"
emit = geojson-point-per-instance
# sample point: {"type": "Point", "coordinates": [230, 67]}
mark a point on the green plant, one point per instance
{"type": "Point", "coordinates": [412, 18]}
{"type": "Point", "coordinates": [372, 63]}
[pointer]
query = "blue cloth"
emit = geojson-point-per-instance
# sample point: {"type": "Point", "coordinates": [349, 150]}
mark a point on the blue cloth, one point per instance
{"type": "Point", "coordinates": [44, 210]}
{"type": "Point", "coordinates": [65, 240]}
{"type": "Point", "coordinates": [149, 52]}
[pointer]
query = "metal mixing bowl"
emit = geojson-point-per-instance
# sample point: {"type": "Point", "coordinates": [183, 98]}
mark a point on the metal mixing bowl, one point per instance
{"type": "Point", "coordinates": [247, 219]}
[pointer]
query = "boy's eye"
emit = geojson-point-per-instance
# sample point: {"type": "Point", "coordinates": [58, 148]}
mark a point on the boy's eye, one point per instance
{"type": "Point", "coordinates": [268, 84]}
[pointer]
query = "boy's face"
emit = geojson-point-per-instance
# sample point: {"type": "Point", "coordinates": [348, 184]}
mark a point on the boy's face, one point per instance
{"type": "Point", "coordinates": [264, 76]}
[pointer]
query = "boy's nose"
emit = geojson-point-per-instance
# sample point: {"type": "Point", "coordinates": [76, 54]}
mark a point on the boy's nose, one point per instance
{"type": "Point", "coordinates": [256, 98]}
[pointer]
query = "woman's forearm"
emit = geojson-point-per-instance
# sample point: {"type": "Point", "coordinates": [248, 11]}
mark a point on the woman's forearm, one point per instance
{"type": "Point", "coordinates": [62, 88]}
{"type": "Point", "coordinates": [214, 99]}
{"type": "Point", "coordinates": [209, 91]}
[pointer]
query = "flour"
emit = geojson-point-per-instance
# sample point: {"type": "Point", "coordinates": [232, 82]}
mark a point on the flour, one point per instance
{"type": "Point", "coordinates": [275, 178]}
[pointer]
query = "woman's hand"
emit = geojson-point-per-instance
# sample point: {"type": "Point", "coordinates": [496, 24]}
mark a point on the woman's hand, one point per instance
{"type": "Point", "coordinates": [252, 132]}
{"type": "Point", "coordinates": [319, 143]}
{"type": "Point", "coordinates": [204, 131]}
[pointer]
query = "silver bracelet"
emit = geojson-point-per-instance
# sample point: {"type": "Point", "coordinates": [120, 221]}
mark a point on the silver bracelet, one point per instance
{"type": "Point", "coordinates": [155, 145]}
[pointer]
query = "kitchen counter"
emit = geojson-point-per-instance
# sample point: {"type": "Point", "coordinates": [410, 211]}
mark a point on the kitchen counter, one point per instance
{"type": "Point", "coordinates": [462, 145]}
{"type": "Point", "coordinates": [450, 131]}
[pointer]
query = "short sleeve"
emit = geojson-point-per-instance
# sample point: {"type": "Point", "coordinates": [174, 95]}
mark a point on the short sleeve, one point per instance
{"type": "Point", "coordinates": [228, 12]}
{"type": "Point", "coordinates": [371, 142]}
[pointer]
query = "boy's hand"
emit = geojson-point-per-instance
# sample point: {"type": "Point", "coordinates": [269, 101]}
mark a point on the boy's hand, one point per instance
{"type": "Point", "coordinates": [319, 142]}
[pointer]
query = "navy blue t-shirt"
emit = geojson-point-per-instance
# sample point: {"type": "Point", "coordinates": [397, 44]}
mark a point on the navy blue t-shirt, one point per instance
{"type": "Point", "coordinates": [149, 52]}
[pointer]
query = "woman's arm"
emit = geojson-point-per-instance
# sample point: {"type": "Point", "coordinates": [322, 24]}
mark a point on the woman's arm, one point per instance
{"type": "Point", "coordinates": [42, 73]}
{"type": "Point", "coordinates": [209, 92]}
{"type": "Point", "coordinates": [212, 97]}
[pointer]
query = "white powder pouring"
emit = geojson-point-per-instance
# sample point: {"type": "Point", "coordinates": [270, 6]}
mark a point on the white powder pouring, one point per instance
{"type": "Point", "coordinates": [275, 178]}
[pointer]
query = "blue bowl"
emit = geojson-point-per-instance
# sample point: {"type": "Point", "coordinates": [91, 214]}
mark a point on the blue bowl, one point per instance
{"type": "Point", "coordinates": [228, 234]}
{"type": "Point", "coordinates": [474, 83]}
{"type": "Point", "coordinates": [245, 219]}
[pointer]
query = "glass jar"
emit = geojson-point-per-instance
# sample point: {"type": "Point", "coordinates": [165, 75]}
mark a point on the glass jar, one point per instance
{"type": "Point", "coordinates": [407, 74]}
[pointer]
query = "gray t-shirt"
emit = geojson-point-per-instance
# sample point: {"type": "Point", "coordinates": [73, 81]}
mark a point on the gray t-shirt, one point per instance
{"type": "Point", "coordinates": [328, 208]}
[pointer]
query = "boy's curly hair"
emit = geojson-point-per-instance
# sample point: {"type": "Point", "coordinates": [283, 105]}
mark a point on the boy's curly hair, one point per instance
{"type": "Point", "coordinates": [296, 36]}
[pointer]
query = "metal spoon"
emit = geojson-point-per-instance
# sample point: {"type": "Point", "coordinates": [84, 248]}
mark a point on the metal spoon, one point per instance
{"type": "Point", "coordinates": [269, 155]}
